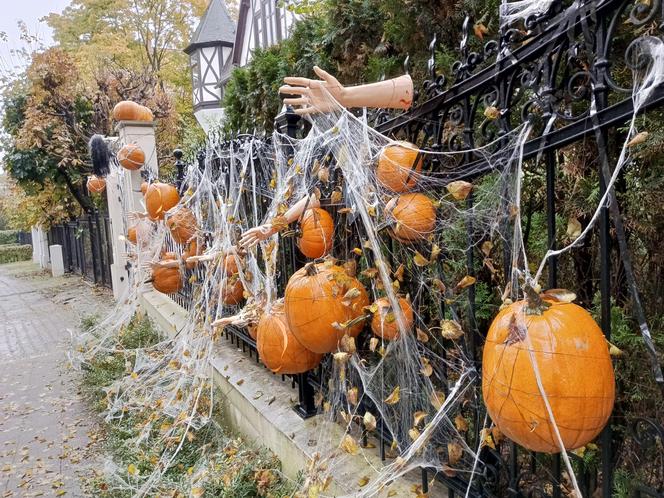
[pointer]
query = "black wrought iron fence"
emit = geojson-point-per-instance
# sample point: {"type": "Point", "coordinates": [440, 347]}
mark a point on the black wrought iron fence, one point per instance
{"type": "Point", "coordinates": [545, 71]}
{"type": "Point", "coordinates": [86, 247]}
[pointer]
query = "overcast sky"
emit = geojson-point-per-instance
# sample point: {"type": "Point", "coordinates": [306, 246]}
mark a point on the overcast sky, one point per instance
{"type": "Point", "coordinates": [29, 11]}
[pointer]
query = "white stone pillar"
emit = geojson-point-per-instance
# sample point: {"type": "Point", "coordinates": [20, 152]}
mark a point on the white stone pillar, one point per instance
{"type": "Point", "coordinates": [42, 243]}
{"type": "Point", "coordinates": [57, 261]}
{"type": "Point", "coordinates": [128, 186]}
{"type": "Point", "coordinates": [35, 245]}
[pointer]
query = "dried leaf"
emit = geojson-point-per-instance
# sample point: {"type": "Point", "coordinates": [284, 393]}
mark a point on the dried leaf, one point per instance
{"type": "Point", "coordinates": [363, 481]}
{"type": "Point", "coordinates": [480, 30]}
{"type": "Point", "coordinates": [574, 228]}
{"type": "Point", "coordinates": [394, 397]}
{"type": "Point", "coordinates": [324, 175]}
{"type": "Point", "coordinates": [418, 418]}
{"type": "Point", "coordinates": [439, 285]}
{"type": "Point", "coordinates": [347, 344]}
{"type": "Point", "coordinates": [341, 357]}
{"type": "Point", "coordinates": [197, 492]}
{"type": "Point", "coordinates": [279, 223]}
{"type": "Point", "coordinates": [352, 395]}
{"type": "Point", "coordinates": [370, 272]}
{"type": "Point", "coordinates": [461, 423]}
{"type": "Point", "coordinates": [369, 421]}
{"type": "Point", "coordinates": [450, 329]}
{"type": "Point", "coordinates": [399, 273]}
{"type": "Point", "coordinates": [427, 369]}
{"type": "Point", "coordinates": [487, 245]}
{"type": "Point", "coordinates": [132, 469]}
{"type": "Point", "coordinates": [560, 295]}
{"type": "Point", "coordinates": [414, 433]}
{"type": "Point", "coordinates": [454, 451]}
{"type": "Point", "coordinates": [639, 138]}
{"type": "Point", "coordinates": [422, 336]}
{"type": "Point", "coordinates": [435, 252]}
{"type": "Point", "coordinates": [349, 445]}
{"type": "Point", "coordinates": [336, 197]}
{"type": "Point", "coordinates": [487, 439]}
{"type": "Point", "coordinates": [459, 189]}
{"type": "Point", "coordinates": [491, 112]}
{"type": "Point", "coordinates": [615, 351]}
{"type": "Point", "coordinates": [373, 343]}
{"type": "Point", "coordinates": [420, 260]}
{"type": "Point", "coordinates": [466, 281]}
{"type": "Point", "coordinates": [437, 399]}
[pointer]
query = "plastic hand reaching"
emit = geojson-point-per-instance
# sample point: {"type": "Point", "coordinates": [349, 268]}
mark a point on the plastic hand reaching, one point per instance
{"type": "Point", "coordinates": [314, 95]}
{"type": "Point", "coordinates": [257, 234]}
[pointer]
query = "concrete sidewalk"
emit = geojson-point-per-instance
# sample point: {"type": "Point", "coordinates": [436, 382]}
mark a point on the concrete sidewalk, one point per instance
{"type": "Point", "coordinates": [46, 429]}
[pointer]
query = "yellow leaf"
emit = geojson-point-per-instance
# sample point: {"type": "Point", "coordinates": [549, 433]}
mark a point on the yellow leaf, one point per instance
{"type": "Point", "coordinates": [437, 399]}
{"type": "Point", "coordinates": [418, 418]}
{"type": "Point", "coordinates": [454, 451]}
{"type": "Point", "coordinates": [486, 247]}
{"type": "Point", "coordinates": [491, 112]}
{"type": "Point", "coordinates": [132, 469]}
{"type": "Point", "coordinates": [357, 251]}
{"type": "Point", "coordinates": [420, 260]}
{"type": "Point", "coordinates": [363, 481]}
{"type": "Point", "coordinates": [391, 493]}
{"type": "Point", "coordinates": [435, 252]}
{"type": "Point", "coordinates": [394, 397]}
{"type": "Point", "coordinates": [450, 329]}
{"type": "Point", "coordinates": [349, 445]}
{"type": "Point", "coordinates": [352, 395]}
{"type": "Point", "coordinates": [197, 492]}
{"type": "Point", "coordinates": [414, 433]}
{"type": "Point", "coordinates": [60, 492]}
{"type": "Point", "coordinates": [466, 281]}
{"type": "Point", "coordinates": [369, 421]}
{"type": "Point", "coordinates": [459, 189]}
{"type": "Point", "coordinates": [615, 351]}
{"type": "Point", "coordinates": [574, 228]}
{"type": "Point", "coordinates": [487, 438]}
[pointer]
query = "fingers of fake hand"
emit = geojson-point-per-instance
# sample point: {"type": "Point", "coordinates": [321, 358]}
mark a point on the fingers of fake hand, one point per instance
{"type": "Point", "coordinates": [294, 90]}
{"type": "Point", "coordinates": [298, 101]}
{"type": "Point", "coordinates": [325, 76]}
{"type": "Point", "coordinates": [296, 80]}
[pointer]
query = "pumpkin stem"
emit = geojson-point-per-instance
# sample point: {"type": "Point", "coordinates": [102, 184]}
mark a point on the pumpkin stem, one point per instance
{"type": "Point", "coordinates": [310, 269]}
{"type": "Point", "coordinates": [535, 304]}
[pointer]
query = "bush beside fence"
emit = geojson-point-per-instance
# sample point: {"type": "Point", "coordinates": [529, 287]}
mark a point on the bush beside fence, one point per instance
{"type": "Point", "coordinates": [8, 237]}
{"type": "Point", "coordinates": [10, 253]}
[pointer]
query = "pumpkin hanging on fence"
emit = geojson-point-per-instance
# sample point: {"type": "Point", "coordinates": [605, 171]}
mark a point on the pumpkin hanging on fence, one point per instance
{"type": "Point", "coordinates": [96, 185]}
{"type": "Point", "coordinates": [399, 166]}
{"type": "Point", "coordinates": [278, 348]}
{"type": "Point", "coordinates": [131, 234]}
{"type": "Point", "coordinates": [323, 303]}
{"type": "Point", "coordinates": [574, 365]}
{"type": "Point", "coordinates": [232, 290]}
{"type": "Point", "coordinates": [159, 198]}
{"type": "Point", "coordinates": [192, 250]}
{"type": "Point", "coordinates": [317, 233]}
{"type": "Point", "coordinates": [414, 217]}
{"type": "Point", "coordinates": [384, 322]}
{"type": "Point", "coordinates": [131, 157]}
{"type": "Point", "coordinates": [166, 280]}
{"type": "Point", "coordinates": [182, 224]}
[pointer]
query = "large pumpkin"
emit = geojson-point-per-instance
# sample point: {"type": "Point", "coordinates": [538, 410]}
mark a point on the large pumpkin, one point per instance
{"type": "Point", "coordinates": [182, 224]}
{"type": "Point", "coordinates": [145, 114]}
{"type": "Point", "coordinates": [131, 157]}
{"type": "Point", "coordinates": [96, 185]}
{"type": "Point", "coordinates": [319, 300]}
{"type": "Point", "coordinates": [278, 348]}
{"type": "Point", "coordinates": [399, 166]}
{"type": "Point", "coordinates": [384, 323]}
{"type": "Point", "coordinates": [166, 280]}
{"type": "Point", "coordinates": [232, 290]}
{"type": "Point", "coordinates": [414, 216]}
{"type": "Point", "coordinates": [317, 232]}
{"type": "Point", "coordinates": [573, 361]}
{"type": "Point", "coordinates": [159, 198]}
{"type": "Point", "coordinates": [127, 111]}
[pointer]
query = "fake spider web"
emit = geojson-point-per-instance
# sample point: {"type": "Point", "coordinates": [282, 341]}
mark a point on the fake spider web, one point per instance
{"type": "Point", "coordinates": [416, 392]}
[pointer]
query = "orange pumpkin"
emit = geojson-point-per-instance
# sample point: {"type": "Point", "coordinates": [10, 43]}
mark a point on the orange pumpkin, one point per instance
{"type": "Point", "coordinates": [573, 361]}
{"type": "Point", "coordinates": [192, 250]}
{"type": "Point", "coordinates": [131, 157]}
{"type": "Point", "coordinates": [384, 323]}
{"type": "Point", "coordinates": [145, 114]}
{"type": "Point", "coordinates": [232, 290]}
{"type": "Point", "coordinates": [159, 198]}
{"type": "Point", "coordinates": [317, 229]}
{"type": "Point", "coordinates": [131, 234]}
{"type": "Point", "coordinates": [414, 216]}
{"type": "Point", "coordinates": [127, 111]}
{"type": "Point", "coordinates": [320, 298]}
{"type": "Point", "coordinates": [144, 187]}
{"type": "Point", "coordinates": [252, 330]}
{"type": "Point", "coordinates": [96, 185]}
{"type": "Point", "coordinates": [166, 280]}
{"type": "Point", "coordinates": [278, 348]}
{"type": "Point", "coordinates": [182, 224]}
{"type": "Point", "coordinates": [399, 166]}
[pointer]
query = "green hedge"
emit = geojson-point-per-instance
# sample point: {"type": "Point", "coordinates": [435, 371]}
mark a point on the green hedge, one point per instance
{"type": "Point", "coordinates": [15, 252]}
{"type": "Point", "coordinates": [8, 237]}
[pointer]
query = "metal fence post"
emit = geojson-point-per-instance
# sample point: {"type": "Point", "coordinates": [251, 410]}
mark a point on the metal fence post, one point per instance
{"type": "Point", "coordinates": [179, 165]}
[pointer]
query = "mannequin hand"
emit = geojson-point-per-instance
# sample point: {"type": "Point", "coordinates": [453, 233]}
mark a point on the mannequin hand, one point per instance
{"type": "Point", "coordinates": [257, 234]}
{"type": "Point", "coordinates": [314, 94]}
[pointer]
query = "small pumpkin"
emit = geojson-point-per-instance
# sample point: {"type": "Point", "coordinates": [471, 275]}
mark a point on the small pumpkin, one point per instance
{"type": "Point", "coordinates": [399, 166]}
{"type": "Point", "coordinates": [144, 187]}
{"type": "Point", "coordinates": [182, 224]}
{"type": "Point", "coordinates": [159, 198]}
{"type": "Point", "coordinates": [95, 184]}
{"type": "Point", "coordinates": [414, 216]}
{"type": "Point", "coordinates": [192, 250]}
{"type": "Point", "coordinates": [317, 232]}
{"type": "Point", "coordinates": [322, 304]}
{"type": "Point", "coordinates": [575, 368]}
{"type": "Point", "coordinates": [384, 323]}
{"type": "Point", "coordinates": [166, 280]}
{"type": "Point", "coordinates": [131, 157]}
{"type": "Point", "coordinates": [127, 111]}
{"type": "Point", "coordinates": [232, 290]}
{"type": "Point", "coordinates": [131, 234]}
{"type": "Point", "coordinates": [278, 348]}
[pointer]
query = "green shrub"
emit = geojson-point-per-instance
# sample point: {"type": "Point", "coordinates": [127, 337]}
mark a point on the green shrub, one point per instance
{"type": "Point", "coordinates": [15, 252]}
{"type": "Point", "coordinates": [8, 237]}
